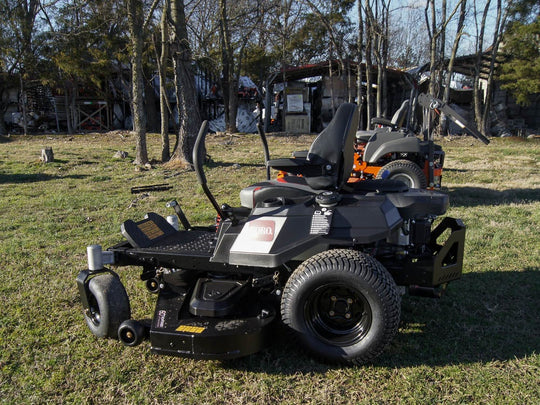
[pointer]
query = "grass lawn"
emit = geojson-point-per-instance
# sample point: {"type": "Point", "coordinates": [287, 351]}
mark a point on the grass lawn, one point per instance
{"type": "Point", "coordinates": [480, 343]}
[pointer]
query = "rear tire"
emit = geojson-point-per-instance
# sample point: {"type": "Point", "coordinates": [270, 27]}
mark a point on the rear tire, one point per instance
{"type": "Point", "coordinates": [108, 305]}
{"type": "Point", "coordinates": [342, 305]}
{"type": "Point", "coordinates": [406, 171]}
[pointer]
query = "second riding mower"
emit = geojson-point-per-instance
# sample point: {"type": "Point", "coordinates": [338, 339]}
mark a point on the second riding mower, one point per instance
{"type": "Point", "coordinates": [330, 260]}
{"type": "Point", "coordinates": [393, 150]}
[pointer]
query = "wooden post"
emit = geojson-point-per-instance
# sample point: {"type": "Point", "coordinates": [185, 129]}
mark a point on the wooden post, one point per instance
{"type": "Point", "coordinates": [47, 155]}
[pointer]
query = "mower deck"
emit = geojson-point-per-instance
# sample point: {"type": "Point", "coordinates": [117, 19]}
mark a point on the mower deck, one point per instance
{"type": "Point", "coordinates": [178, 332]}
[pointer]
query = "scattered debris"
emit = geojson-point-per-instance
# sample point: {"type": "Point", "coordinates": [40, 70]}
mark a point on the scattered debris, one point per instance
{"type": "Point", "coordinates": [143, 168]}
{"type": "Point", "coordinates": [120, 154]}
{"type": "Point", "coordinates": [136, 200]}
{"type": "Point", "coordinates": [154, 187]}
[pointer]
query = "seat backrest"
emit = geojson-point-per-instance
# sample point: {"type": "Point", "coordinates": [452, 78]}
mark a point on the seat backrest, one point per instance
{"type": "Point", "coordinates": [400, 115]}
{"type": "Point", "coordinates": [334, 149]}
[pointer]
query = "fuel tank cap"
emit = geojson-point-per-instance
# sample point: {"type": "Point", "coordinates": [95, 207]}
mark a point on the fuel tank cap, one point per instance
{"type": "Point", "coordinates": [328, 198]}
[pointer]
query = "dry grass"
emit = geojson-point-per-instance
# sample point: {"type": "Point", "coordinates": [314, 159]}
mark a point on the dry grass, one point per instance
{"type": "Point", "coordinates": [479, 344]}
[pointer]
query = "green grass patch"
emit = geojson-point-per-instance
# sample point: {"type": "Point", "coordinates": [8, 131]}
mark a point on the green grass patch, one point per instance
{"type": "Point", "coordinates": [478, 344]}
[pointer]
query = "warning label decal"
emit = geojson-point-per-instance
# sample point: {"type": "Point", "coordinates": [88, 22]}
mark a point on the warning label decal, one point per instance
{"type": "Point", "coordinates": [190, 329]}
{"type": "Point", "coordinates": [321, 221]}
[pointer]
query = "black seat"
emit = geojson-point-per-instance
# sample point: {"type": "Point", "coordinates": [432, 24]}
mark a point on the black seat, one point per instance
{"type": "Point", "coordinates": [327, 165]}
{"type": "Point", "coordinates": [398, 119]}
{"type": "Point", "coordinates": [396, 122]}
{"type": "Point", "coordinates": [329, 161]}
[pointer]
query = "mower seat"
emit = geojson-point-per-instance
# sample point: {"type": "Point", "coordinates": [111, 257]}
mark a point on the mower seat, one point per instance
{"type": "Point", "coordinates": [395, 123]}
{"type": "Point", "coordinates": [329, 161]}
{"type": "Point", "coordinates": [326, 166]}
{"type": "Point", "coordinates": [398, 119]}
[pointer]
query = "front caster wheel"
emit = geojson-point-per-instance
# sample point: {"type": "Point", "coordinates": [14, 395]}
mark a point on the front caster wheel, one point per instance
{"type": "Point", "coordinates": [131, 333]}
{"type": "Point", "coordinates": [108, 305]}
{"type": "Point", "coordinates": [342, 305]}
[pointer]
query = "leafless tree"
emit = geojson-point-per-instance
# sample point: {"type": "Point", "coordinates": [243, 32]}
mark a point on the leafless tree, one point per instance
{"type": "Point", "coordinates": [135, 21]}
{"type": "Point", "coordinates": [186, 94]}
{"type": "Point", "coordinates": [482, 100]}
{"type": "Point", "coordinates": [450, 67]}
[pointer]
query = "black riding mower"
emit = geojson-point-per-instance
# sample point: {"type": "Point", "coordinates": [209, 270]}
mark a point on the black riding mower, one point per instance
{"type": "Point", "coordinates": [328, 259]}
{"type": "Point", "coordinates": [393, 151]}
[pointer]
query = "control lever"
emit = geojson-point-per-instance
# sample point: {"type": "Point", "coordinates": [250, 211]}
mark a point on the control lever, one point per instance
{"type": "Point", "coordinates": [180, 214]}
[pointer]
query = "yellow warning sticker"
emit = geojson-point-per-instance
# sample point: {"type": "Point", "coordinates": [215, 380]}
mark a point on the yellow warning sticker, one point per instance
{"type": "Point", "coordinates": [150, 229]}
{"type": "Point", "coordinates": [190, 329]}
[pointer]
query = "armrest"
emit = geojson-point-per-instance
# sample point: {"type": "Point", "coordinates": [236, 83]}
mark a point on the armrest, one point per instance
{"type": "Point", "coordinates": [381, 121]}
{"type": "Point", "coordinates": [296, 166]}
{"type": "Point", "coordinates": [300, 154]}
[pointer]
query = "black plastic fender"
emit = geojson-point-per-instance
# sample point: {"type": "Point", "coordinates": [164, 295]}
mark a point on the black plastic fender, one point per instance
{"type": "Point", "coordinates": [273, 236]}
{"type": "Point", "coordinates": [390, 142]}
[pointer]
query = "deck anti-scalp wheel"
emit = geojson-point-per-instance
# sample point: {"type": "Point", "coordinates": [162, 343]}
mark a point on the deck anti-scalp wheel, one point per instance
{"type": "Point", "coordinates": [131, 332]}
{"type": "Point", "coordinates": [343, 306]}
{"type": "Point", "coordinates": [406, 171]}
{"type": "Point", "coordinates": [108, 305]}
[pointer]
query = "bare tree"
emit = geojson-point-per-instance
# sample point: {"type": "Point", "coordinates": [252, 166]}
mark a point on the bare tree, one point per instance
{"type": "Point", "coordinates": [482, 101]}
{"type": "Point", "coordinates": [162, 61]}
{"type": "Point", "coordinates": [237, 26]}
{"type": "Point", "coordinates": [20, 54]}
{"type": "Point", "coordinates": [135, 22]}
{"type": "Point", "coordinates": [450, 68]}
{"type": "Point", "coordinates": [188, 107]}
{"type": "Point", "coordinates": [500, 25]}
{"type": "Point", "coordinates": [377, 20]}
{"type": "Point", "coordinates": [360, 57]}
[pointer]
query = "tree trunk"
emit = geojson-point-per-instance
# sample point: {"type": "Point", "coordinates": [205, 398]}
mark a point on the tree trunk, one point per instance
{"type": "Point", "coordinates": [23, 104]}
{"type": "Point", "coordinates": [47, 155]}
{"type": "Point", "coordinates": [432, 32]}
{"type": "Point", "coordinates": [233, 105]}
{"type": "Point", "coordinates": [151, 100]}
{"type": "Point", "coordinates": [163, 107]}
{"type": "Point", "coordinates": [450, 68]}
{"type": "Point", "coordinates": [188, 108]}
{"type": "Point", "coordinates": [135, 21]}
{"type": "Point", "coordinates": [384, 51]}
{"type": "Point", "coordinates": [369, 90]}
{"type": "Point", "coordinates": [230, 88]}
{"type": "Point", "coordinates": [68, 112]}
{"type": "Point", "coordinates": [478, 101]}
{"type": "Point", "coordinates": [497, 37]}
{"type": "Point", "coordinates": [360, 50]}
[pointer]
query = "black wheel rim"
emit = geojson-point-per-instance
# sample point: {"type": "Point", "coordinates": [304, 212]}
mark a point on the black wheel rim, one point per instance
{"type": "Point", "coordinates": [93, 310]}
{"type": "Point", "coordinates": [338, 314]}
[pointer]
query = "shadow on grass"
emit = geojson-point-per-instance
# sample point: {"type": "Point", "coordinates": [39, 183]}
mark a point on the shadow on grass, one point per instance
{"type": "Point", "coordinates": [483, 317]}
{"type": "Point", "coordinates": [476, 196]}
{"type": "Point", "coordinates": [455, 170]}
{"type": "Point", "coordinates": [34, 178]}
{"type": "Point", "coordinates": [212, 164]}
